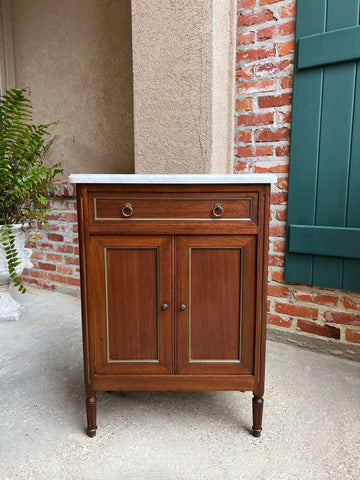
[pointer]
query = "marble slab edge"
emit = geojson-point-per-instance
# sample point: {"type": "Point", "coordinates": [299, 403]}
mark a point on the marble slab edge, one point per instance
{"type": "Point", "coordinates": [244, 178]}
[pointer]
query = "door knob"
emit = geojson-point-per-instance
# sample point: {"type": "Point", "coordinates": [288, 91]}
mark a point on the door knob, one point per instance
{"type": "Point", "coordinates": [165, 306]}
{"type": "Point", "coordinates": [182, 307]}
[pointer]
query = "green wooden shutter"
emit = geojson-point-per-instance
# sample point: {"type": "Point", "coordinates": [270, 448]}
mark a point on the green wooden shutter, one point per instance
{"type": "Point", "coordinates": [323, 226]}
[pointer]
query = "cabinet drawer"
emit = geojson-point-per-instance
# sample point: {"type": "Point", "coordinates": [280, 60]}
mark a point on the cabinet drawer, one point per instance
{"type": "Point", "coordinates": [221, 208]}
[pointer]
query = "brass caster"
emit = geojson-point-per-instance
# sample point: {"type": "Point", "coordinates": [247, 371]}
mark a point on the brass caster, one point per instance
{"type": "Point", "coordinates": [91, 433]}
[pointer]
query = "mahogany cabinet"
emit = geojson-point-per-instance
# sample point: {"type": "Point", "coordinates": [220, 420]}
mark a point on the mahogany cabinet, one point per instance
{"type": "Point", "coordinates": [173, 283]}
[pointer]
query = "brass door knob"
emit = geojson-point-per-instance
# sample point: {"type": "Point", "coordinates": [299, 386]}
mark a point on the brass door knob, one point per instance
{"type": "Point", "coordinates": [182, 307]}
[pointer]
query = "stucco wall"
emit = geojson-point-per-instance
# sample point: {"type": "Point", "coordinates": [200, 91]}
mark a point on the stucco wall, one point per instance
{"type": "Point", "coordinates": [76, 60]}
{"type": "Point", "coordinates": [183, 85]}
{"type": "Point", "coordinates": [75, 57]}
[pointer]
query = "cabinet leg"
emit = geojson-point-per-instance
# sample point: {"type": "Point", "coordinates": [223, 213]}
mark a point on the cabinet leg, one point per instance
{"type": "Point", "coordinates": [257, 407]}
{"type": "Point", "coordinates": [91, 415]}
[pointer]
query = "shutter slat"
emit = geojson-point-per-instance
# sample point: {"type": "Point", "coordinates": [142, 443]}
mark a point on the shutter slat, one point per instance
{"type": "Point", "coordinates": [328, 48]}
{"type": "Point", "coordinates": [307, 90]}
{"type": "Point", "coordinates": [353, 209]}
{"type": "Point", "coordinates": [334, 157]}
{"type": "Point", "coordinates": [328, 241]}
{"type": "Point", "coordinates": [335, 143]}
{"type": "Point", "coordinates": [342, 14]}
{"type": "Point", "coordinates": [351, 275]}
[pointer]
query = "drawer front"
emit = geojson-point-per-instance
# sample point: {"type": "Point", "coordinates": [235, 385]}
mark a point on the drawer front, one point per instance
{"type": "Point", "coordinates": [222, 208]}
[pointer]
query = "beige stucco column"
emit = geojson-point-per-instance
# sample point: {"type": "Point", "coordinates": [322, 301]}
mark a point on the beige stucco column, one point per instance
{"type": "Point", "coordinates": [183, 67]}
{"type": "Point", "coordinates": [7, 65]}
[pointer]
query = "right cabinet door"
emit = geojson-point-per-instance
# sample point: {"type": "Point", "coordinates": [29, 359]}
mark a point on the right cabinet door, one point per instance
{"type": "Point", "coordinates": [215, 307]}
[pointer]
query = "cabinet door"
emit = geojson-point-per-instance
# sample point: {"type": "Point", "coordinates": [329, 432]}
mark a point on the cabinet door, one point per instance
{"type": "Point", "coordinates": [216, 286]}
{"type": "Point", "coordinates": [129, 280]}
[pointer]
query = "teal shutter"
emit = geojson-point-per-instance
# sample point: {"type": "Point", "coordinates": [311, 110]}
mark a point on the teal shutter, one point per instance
{"type": "Point", "coordinates": [323, 226]}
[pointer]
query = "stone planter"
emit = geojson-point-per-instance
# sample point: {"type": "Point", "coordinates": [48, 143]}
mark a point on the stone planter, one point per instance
{"type": "Point", "coordinates": [10, 309]}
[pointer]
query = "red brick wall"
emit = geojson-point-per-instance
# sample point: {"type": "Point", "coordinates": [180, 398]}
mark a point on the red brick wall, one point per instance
{"type": "Point", "coordinates": [56, 253]}
{"type": "Point", "coordinates": [264, 65]}
{"type": "Point", "coordinates": [265, 44]}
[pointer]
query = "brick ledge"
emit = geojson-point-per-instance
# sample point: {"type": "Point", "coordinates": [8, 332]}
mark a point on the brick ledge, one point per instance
{"type": "Point", "coordinates": [349, 351]}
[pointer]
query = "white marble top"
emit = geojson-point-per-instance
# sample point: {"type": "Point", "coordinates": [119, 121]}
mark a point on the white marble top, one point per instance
{"type": "Point", "coordinates": [173, 179]}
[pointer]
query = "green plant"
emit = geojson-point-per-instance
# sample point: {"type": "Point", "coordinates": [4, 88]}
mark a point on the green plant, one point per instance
{"type": "Point", "coordinates": [24, 179]}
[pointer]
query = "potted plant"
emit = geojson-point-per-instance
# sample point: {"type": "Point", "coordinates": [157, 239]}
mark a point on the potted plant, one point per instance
{"type": "Point", "coordinates": [24, 182]}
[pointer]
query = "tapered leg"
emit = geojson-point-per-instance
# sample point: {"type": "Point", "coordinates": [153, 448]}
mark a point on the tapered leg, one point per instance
{"type": "Point", "coordinates": [257, 405]}
{"type": "Point", "coordinates": [91, 415]}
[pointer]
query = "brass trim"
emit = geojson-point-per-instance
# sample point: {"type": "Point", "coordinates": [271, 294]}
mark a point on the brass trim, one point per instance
{"type": "Point", "coordinates": [181, 219]}
{"type": "Point", "coordinates": [187, 219]}
{"type": "Point", "coordinates": [214, 361]}
{"type": "Point", "coordinates": [108, 359]}
{"type": "Point", "coordinates": [237, 360]}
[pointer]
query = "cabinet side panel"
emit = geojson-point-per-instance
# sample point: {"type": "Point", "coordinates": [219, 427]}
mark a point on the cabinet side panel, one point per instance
{"type": "Point", "coordinates": [132, 303]}
{"type": "Point", "coordinates": [83, 245]}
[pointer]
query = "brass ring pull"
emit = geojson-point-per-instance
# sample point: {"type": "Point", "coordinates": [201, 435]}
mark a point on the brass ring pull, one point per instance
{"type": "Point", "coordinates": [127, 210]}
{"type": "Point", "coordinates": [218, 210]}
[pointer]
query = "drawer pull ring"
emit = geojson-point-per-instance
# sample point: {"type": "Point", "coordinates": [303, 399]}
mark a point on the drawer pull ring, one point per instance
{"type": "Point", "coordinates": [127, 210]}
{"type": "Point", "coordinates": [165, 306]}
{"type": "Point", "coordinates": [182, 307]}
{"type": "Point", "coordinates": [218, 210]}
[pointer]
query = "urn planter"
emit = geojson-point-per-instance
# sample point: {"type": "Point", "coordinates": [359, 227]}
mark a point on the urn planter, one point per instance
{"type": "Point", "coordinates": [10, 309]}
{"type": "Point", "coordinates": [25, 185]}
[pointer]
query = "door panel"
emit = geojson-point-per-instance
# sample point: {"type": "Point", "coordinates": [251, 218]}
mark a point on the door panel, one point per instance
{"type": "Point", "coordinates": [130, 271]}
{"type": "Point", "coordinates": [218, 299]}
{"type": "Point", "coordinates": [216, 331]}
{"type": "Point", "coordinates": [131, 279]}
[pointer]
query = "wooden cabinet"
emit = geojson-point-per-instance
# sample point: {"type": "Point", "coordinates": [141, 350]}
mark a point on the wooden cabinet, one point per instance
{"type": "Point", "coordinates": [173, 288]}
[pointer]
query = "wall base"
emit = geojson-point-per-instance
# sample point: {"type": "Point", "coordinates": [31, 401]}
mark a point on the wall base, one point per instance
{"type": "Point", "coordinates": [65, 290]}
{"type": "Point", "coordinates": [329, 347]}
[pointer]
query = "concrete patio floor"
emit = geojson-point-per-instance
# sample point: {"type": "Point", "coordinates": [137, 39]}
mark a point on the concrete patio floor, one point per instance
{"type": "Point", "coordinates": [311, 427]}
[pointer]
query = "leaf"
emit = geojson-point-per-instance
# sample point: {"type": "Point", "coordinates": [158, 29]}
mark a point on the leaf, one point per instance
{"type": "Point", "coordinates": [25, 179]}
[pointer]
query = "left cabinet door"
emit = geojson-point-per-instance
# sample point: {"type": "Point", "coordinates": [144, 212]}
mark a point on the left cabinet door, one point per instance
{"type": "Point", "coordinates": [129, 286]}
